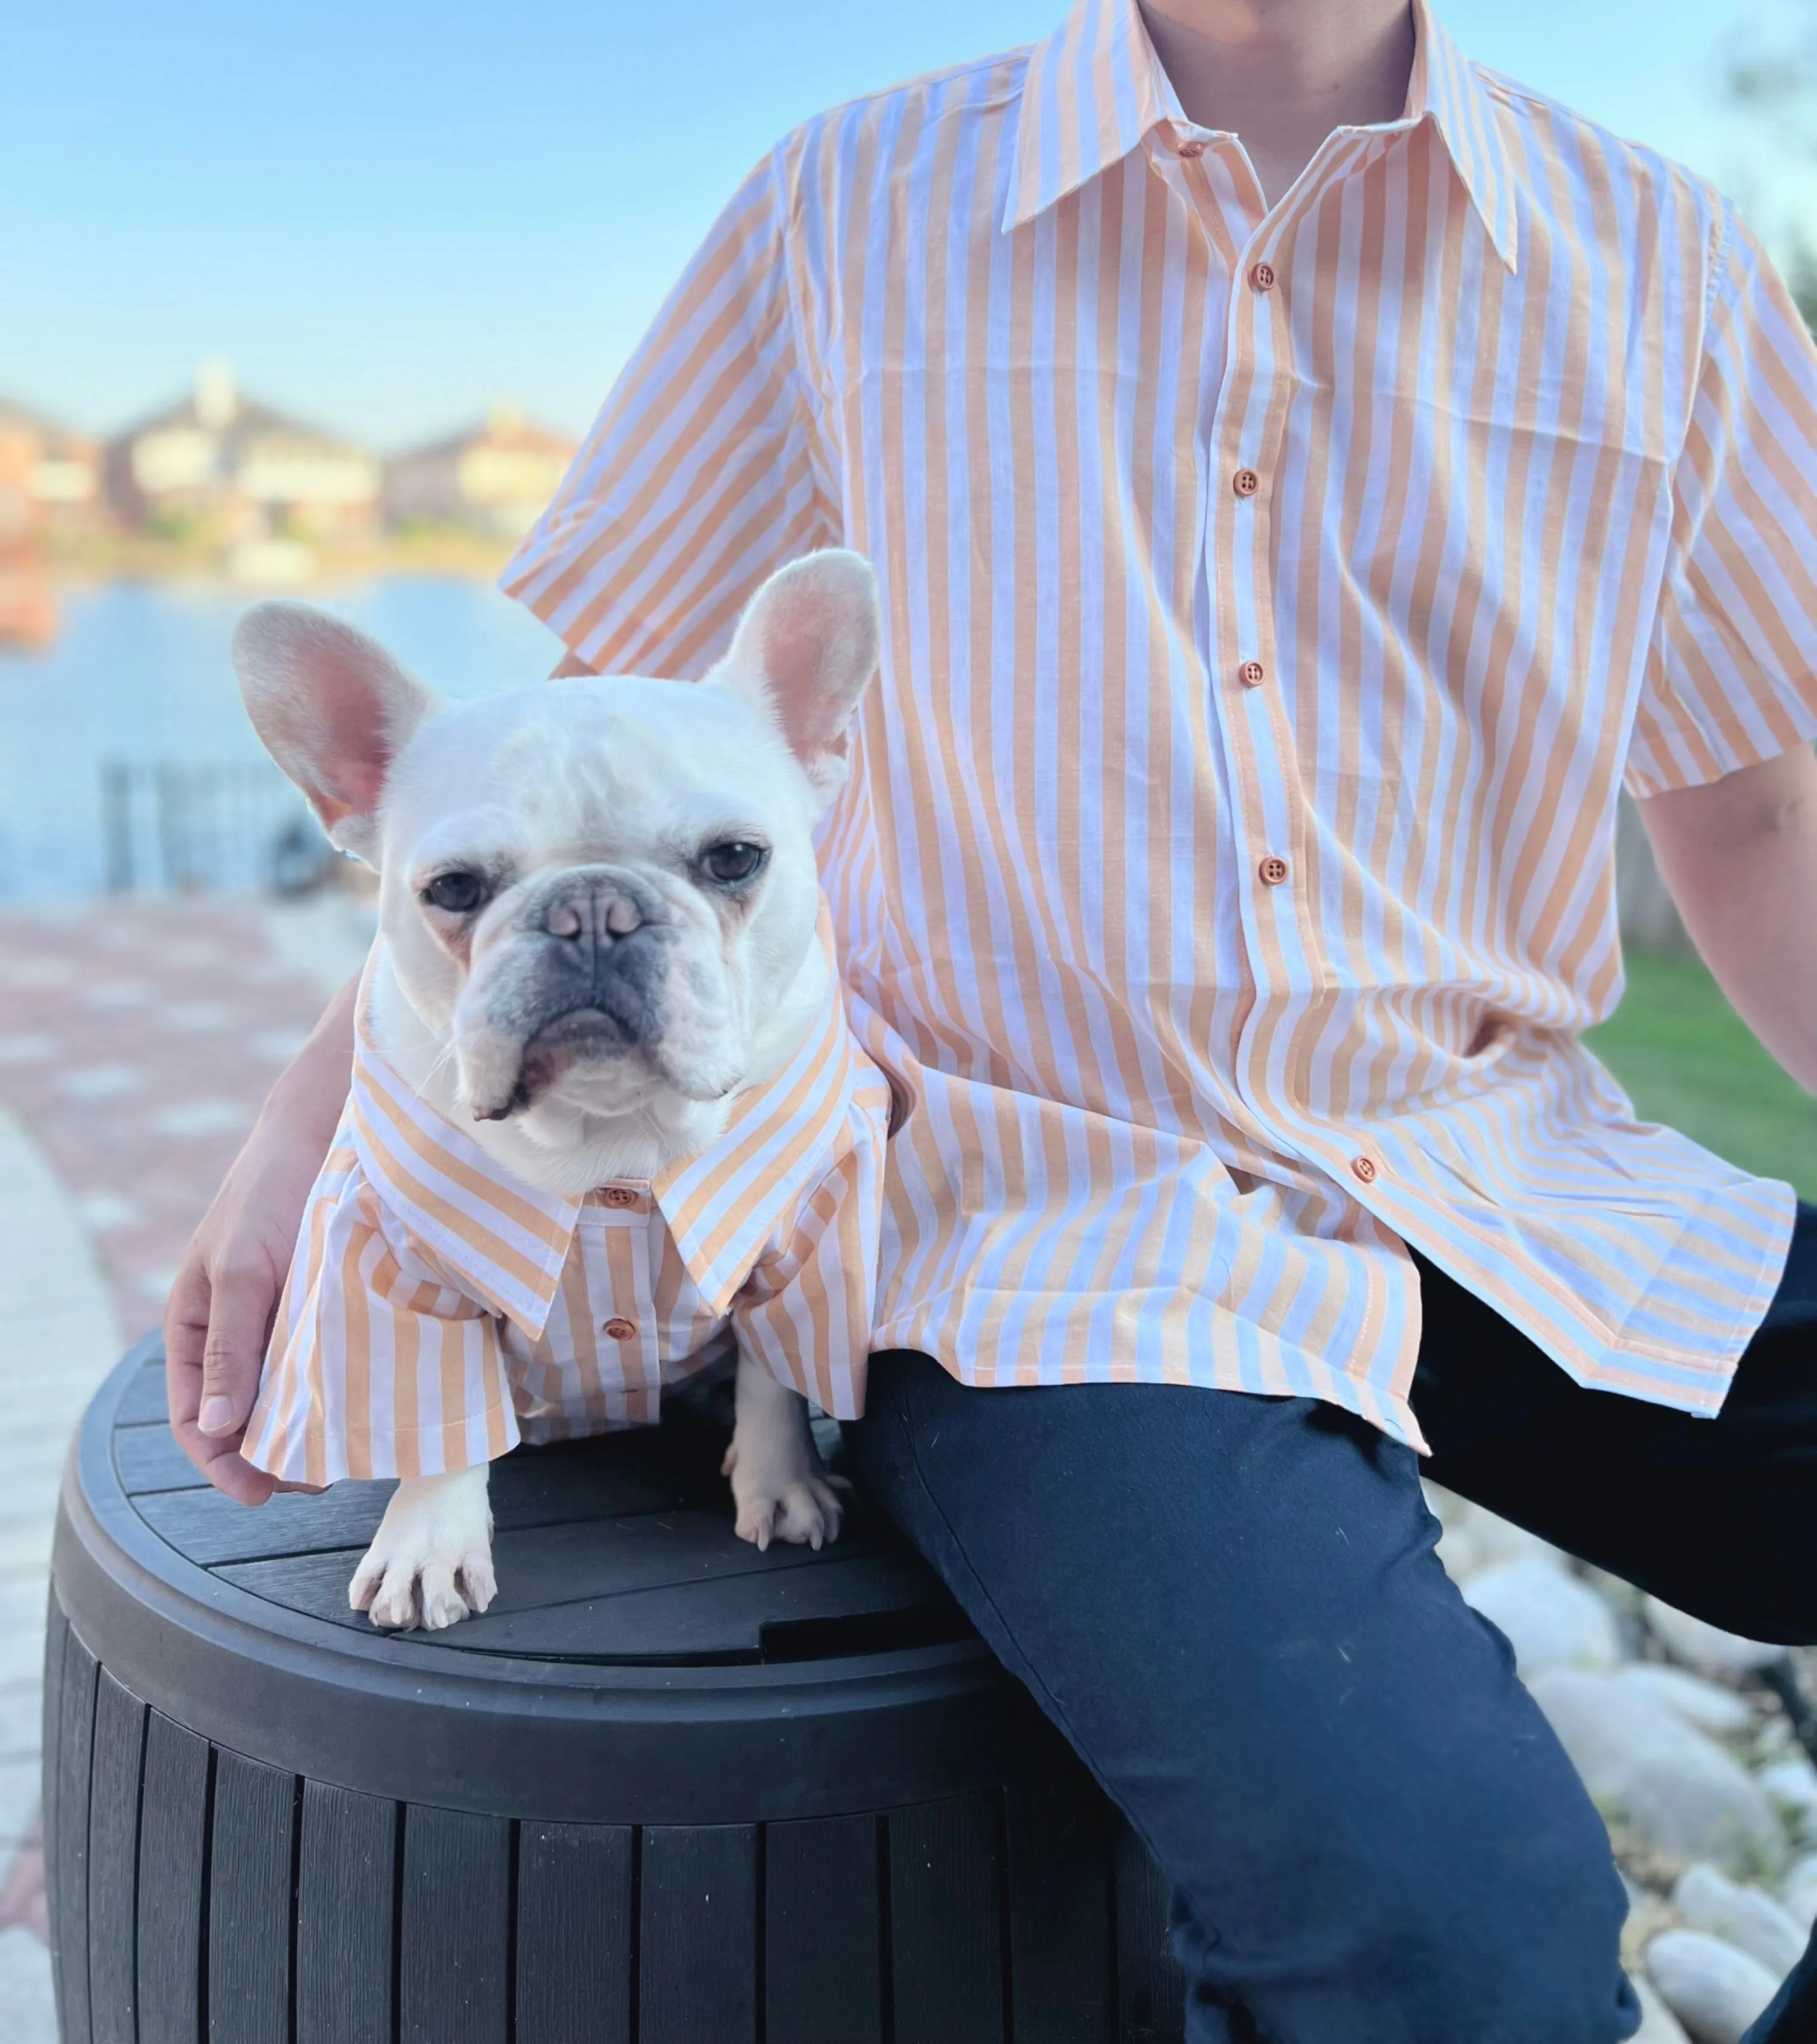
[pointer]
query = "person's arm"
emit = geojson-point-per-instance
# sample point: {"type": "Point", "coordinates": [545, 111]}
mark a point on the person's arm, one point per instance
{"type": "Point", "coordinates": [1739, 857]}
{"type": "Point", "coordinates": [1719, 756]}
{"type": "Point", "coordinates": [707, 469]}
{"type": "Point", "coordinates": [220, 1308]}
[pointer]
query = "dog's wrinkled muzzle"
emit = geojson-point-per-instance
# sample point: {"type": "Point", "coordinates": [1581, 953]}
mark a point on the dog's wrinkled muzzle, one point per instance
{"type": "Point", "coordinates": [579, 975]}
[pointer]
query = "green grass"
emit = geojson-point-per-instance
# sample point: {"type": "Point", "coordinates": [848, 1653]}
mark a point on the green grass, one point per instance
{"type": "Point", "coordinates": [1686, 1059]}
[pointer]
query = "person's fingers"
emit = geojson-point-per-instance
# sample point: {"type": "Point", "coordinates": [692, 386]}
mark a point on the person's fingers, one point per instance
{"type": "Point", "coordinates": [185, 1330]}
{"type": "Point", "coordinates": [242, 1298]}
{"type": "Point", "coordinates": [223, 1464]}
{"type": "Point", "coordinates": [196, 1326]}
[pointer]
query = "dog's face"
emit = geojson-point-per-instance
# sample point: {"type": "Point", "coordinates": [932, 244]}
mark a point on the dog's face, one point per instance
{"type": "Point", "coordinates": [594, 891]}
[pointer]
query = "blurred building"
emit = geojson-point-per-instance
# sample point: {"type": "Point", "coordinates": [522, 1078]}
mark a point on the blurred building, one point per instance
{"type": "Point", "coordinates": [31, 478]}
{"type": "Point", "coordinates": [58, 471]}
{"type": "Point", "coordinates": [495, 479]}
{"type": "Point", "coordinates": [222, 466]}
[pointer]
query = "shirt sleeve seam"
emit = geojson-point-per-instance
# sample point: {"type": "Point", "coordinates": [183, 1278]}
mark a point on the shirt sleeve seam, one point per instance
{"type": "Point", "coordinates": [799, 384]}
{"type": "Point", "coordinates": [1720, 239]}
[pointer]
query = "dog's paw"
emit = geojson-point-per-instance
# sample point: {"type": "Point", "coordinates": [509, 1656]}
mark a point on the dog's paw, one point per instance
{"type": "Point", "coordinates": [800, 1504]}
{"type": "Point", "coordinates": [779, 1485]}
{"type": "Point", "coordinates": [402, 1587]}
{"type": "Point", "coordinates": [806, 1514]}
{"type": "Point", "coordinates": [430, 1563]}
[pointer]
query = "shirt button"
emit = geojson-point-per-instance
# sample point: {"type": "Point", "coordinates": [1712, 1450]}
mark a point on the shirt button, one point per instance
{"type": "Point", "coordinates": [1262, 276]}
{"type": "Point", "coordinates": [1273, 871]}
{"type": "Point", "coordinates": [621, 1330]}
{"type": "Point", "coordinates": [620, 1195]}
{"type": "Point", "coordinates": [1193, 149]}
{"type": "Point", "coordinates": [1252, 673]}
{"type": "Point", "coordinates": [1365, 1168]}
{"type": "Point", "coordinates": [1246, 482]}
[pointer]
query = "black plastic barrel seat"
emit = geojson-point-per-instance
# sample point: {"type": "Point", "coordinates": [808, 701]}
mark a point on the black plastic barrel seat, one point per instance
{"type": "Point", "coordinates": [667, 1791]}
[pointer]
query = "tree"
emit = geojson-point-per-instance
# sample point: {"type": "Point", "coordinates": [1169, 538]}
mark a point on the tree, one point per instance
{"type": "Point", "coordinates": [1773, 78]}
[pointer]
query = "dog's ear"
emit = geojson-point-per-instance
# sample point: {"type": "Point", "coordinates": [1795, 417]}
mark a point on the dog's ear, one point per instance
{"type": "Point", "coordinates": [334, 710]}
{"type": "Point", "coordinates": [804, 652]}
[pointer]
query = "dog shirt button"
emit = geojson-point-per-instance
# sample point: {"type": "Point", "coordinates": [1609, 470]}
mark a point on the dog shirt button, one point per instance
{"type": "Point", "coordinates": [620, 1195]}
{"type": "Point", "coordinates": [1366, 1169]}
{"type": "Point", "coordinates": [621, 1330]}
{"type": "Point", "coordinates": [1273, 871]}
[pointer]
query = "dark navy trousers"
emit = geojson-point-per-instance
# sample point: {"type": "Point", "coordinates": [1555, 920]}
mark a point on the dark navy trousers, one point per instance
{"type": "Point", "coordinates": [1231, 1607]}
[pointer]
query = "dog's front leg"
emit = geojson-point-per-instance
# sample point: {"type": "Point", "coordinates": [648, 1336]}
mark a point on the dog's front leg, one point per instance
{"type": "Point", "coordinates": [430, 1562]}
{"type": "Point", "coordinates": [779, 1482]}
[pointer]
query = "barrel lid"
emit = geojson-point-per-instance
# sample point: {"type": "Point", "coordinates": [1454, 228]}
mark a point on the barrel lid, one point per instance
{"type": "Point", "coordinates": [617, 1549]}
{"type": "Point", "coordinates": [641, 1664]}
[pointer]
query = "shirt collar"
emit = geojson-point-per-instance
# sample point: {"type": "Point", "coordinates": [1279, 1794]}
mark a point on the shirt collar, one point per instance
{"type": "Point", "coordinates": [506, 1241]}
{"type": "Point", "coordinates": [723, 1204]}
{"type": "Point", "coordinates": [1095, 87]}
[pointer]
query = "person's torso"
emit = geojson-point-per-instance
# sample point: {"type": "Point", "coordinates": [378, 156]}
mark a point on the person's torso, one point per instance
{"type": "Point", "coordinates": [1172, 789]}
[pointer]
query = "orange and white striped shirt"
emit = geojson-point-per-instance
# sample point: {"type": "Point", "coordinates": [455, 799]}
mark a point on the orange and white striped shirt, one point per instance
{"type": "Point", "coordinates": [439, 1308]}
{"type": "Point", "coordinates": [1276, 598]}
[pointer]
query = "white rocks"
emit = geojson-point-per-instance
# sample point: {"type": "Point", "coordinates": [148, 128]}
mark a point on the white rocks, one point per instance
{"type": "Point", "coordinates": [1713, 1988]}
{"type": "Point", "coordinates": [1799, 1892]}
{"type": "Point", "coordinates": [1657, 2023]}
{"type": "Point", "coordinates": [1700, 1802]}
{"type": "Point", "coordinates": [1474, 1540]}
{"type": "Point", "coordinates": [1792, 1784]}
{"type": "Point", "coordinates": [1706, 1647]}
{"type": "Point", "coordinates": [1748, 1917]}
{"type": "Point", "coordinates": [1677, 1788]}
{"type": "Point", "coordinates": [1551, 1619]}
{"type": "Point", "coordinates": [1706, 1705]}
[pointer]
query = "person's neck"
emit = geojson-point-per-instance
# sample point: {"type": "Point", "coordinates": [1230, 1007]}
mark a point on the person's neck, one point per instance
{"type": "Point", "coordinates": [1282, 74]}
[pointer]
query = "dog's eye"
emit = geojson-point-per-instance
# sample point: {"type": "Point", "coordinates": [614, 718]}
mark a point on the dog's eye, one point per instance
{"type": "Point", "coordinates": [460, 894]}
{"type": "Point", "coordinates": [733, 861]}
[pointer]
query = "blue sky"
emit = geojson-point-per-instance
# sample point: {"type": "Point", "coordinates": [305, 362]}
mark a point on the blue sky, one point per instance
{"type": "Point", "coordinates": [387, 214]}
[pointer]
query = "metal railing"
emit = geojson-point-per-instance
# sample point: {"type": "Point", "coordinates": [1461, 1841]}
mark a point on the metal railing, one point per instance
{"type": "Point", "coordinates": [229, 828]}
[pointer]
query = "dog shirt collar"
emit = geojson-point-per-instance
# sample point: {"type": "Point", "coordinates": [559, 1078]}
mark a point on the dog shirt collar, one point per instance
{"type": "Point", "coordinates": [505, 1240]}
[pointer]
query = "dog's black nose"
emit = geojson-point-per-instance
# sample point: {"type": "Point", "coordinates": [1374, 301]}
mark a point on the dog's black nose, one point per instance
{"type": "Point", "coordinates": [598, 913]}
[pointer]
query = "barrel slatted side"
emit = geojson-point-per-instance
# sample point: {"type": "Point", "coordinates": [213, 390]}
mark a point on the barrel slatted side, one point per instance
{"type": "Point", "coordinates": [706, 1796]}
{"type": "Point", "coordinates": [576, 1944]}
{"type": "Point", "coordinates": [200, 1897]}
{"type": "Point", "coordinates": [72, 1674]}
{"type": "Point", "coordinates": [824, 1949]}
{"type": "Point", "coordinates": [347, 1881]}
{"type": "Point", "coordinates": [175, 1806]}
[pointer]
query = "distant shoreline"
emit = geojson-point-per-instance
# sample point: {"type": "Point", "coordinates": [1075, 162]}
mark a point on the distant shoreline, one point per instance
{"type": "Point", "coordinates": [78, 560]}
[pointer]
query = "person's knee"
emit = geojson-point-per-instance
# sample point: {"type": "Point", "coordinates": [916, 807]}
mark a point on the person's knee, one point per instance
{"type": "Point", "coordinates": [1455, 1938]}
{"type": "Point", "coordinates": [1543, 1968]}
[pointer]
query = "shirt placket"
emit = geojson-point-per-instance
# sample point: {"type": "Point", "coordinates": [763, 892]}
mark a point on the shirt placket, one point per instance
{"type": "Point", "coordinates": [1270, 832]}
{"type": "Point", "coordinates": [623, 1295]}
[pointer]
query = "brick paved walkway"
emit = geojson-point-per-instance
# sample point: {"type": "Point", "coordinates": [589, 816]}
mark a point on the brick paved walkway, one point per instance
{"type": "Point", "coordinates": [137, 1040]}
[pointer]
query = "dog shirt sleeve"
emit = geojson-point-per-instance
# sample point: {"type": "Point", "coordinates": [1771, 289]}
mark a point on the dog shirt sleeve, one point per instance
{"type": "Point", "coordinates": [805, 1310]}
{"type": "Point", "coordinates": [379, 1365]}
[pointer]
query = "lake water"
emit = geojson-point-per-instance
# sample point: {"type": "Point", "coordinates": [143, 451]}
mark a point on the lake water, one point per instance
{"type": "Point", "coordinates": [140, 677]}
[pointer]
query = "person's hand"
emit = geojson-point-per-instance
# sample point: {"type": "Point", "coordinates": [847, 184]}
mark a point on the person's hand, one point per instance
{"type": "Point", "coordinates": [220, 1308]}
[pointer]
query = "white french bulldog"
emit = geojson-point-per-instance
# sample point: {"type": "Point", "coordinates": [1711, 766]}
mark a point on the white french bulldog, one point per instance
{"type": "Point", "coordinates": [598, 927]}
